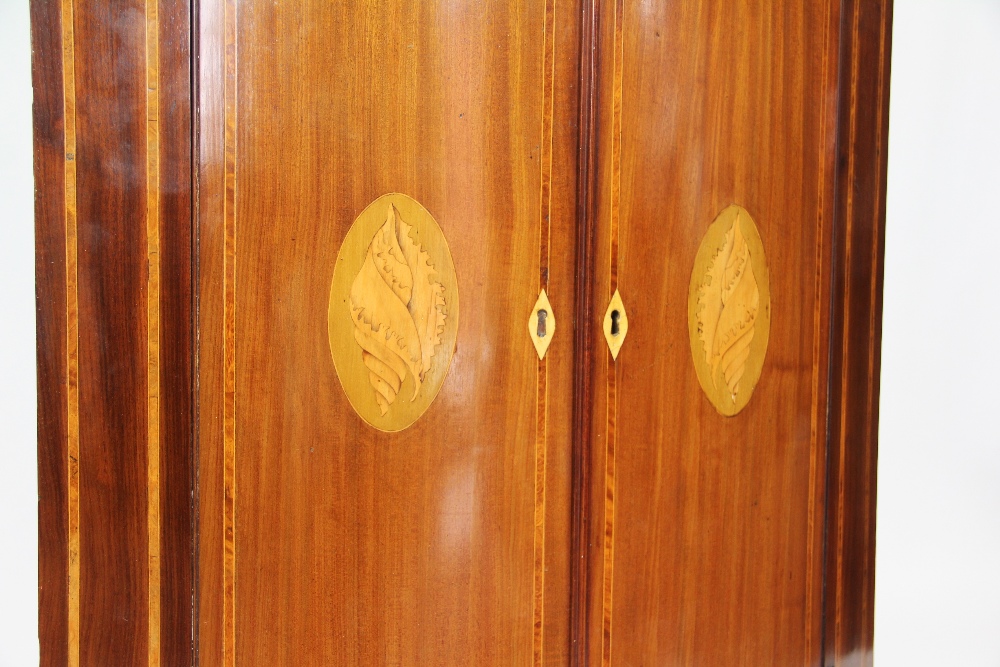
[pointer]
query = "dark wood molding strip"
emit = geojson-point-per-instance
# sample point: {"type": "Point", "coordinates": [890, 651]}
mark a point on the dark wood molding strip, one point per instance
{"type": "Point", "coordinates": [584, 322]}
{"type": "Point", "coordinates": [813, 627]}
{"type": "Point", "coordinates": [856, 331]}
{"type": "Point", "coordinates": [176, 332]}
{"type": "Point", "coordinates": [50, 167]}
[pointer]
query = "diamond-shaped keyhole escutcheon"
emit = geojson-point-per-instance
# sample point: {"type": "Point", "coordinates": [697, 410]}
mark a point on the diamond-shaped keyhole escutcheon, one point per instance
{"type": "Point", "coordinates": [615, 324]}
{"type": "Point", "coordinates": [542, 324]}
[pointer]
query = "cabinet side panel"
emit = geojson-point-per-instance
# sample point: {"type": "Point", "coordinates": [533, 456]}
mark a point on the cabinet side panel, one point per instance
{"type": "Point", "coordinates": [446, 541]}
{"type": "Point", "coordinates": [856, 339]}
{"type": "Point", "coordinates": [113, 221]}
{"type": "Point", "coordinates": [50, 285]}
{"type": "Point", "coordinates": [707, 507]}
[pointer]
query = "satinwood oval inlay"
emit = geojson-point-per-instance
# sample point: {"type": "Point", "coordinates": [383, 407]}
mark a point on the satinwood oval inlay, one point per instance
{"type": "Point", "coordinates": [729, 310]}
{"type": "Point", "coordinates": [393, 313]}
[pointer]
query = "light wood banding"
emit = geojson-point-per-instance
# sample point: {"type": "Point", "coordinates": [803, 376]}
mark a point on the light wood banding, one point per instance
{"type": "Point", "coordinates": [72, 337]}
{"type": "Point", "coordinates": [545, 234]}
{"type": "Point", "coordinates": [153, 328]}
{"type": "Point", "coordinates": [229, 342]}
{"type": "Point", "coordinates": [607, 589]}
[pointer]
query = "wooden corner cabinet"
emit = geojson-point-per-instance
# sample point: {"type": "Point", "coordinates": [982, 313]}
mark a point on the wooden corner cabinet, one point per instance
{"type": "Point", "coordinates": [458, 332]}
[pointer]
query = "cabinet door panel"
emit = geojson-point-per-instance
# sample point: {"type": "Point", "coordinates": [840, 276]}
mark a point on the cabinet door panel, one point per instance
{"type": "Point", "coordinates": [325, 540]}
{"type": "Point", "coordinates": [709, 528]}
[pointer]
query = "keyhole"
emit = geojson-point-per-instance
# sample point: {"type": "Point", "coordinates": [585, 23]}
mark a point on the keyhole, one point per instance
{"type": "Point", "coordinates": [542, 315]}
{"type": "Point", "coordinates": [615, 328]}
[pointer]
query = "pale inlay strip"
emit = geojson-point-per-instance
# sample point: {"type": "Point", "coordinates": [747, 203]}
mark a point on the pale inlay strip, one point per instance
{"type": "Point", "coordinates": [229, 346]}
{"type": "Point", "coordinates": [153, 330]}
{"type": "Point", "coordinates": [72, 340]}
{"type": "Point", "coordinates": [607, 588]}
{"type": "Point", "coordinates": [545, 233]}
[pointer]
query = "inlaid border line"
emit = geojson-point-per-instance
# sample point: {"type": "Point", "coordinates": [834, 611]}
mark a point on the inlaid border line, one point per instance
{"type": "Point", "coordinates": [814, 421]}
{"type": "Point", "coordinates": [229, 343]}
{"type": "Point", "coordinates": [541, 423]}
{"type": "Point", "coordinates": [72, 338]}
{"type": "Point", "coordinates": [607, 589]}
{"type": "Point", "coordinates": [153, 329]}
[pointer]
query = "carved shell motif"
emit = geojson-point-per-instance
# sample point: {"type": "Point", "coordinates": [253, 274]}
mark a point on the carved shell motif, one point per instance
{"type": "Point", "coordinates": [729, 310]}
{"type": "Point", "coordinates": [398, 308]}
{"type": "Point", "coordinates": [729, 302]}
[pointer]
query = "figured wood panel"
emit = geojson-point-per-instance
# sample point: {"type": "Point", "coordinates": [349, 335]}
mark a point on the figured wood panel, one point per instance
{"type": "Point", "coordinates": [114, 353]}
{"type": "Point", "coordinates": [707, 530]}
{"type": "Point", "coordinates": [447, 542]}
{"type": "Point", "coordinates": [111, 231]}
{"type": "Point", "coordinates": [51, 317]}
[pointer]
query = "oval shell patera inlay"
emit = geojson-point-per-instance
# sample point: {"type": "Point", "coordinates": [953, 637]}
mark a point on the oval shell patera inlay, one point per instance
{"type": "Point", "coordinates": [729, 310]}
{"type": "Point", "coordinates": [393, 312]}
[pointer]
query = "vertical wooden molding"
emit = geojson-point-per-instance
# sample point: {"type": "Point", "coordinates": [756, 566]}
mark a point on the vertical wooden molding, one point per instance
{"type": "Point", "coordinates": [813, 645]}
{"type": "Point", "coordinates": [607, 589]}
{"type": "Point", "coordinates": [580, 616]}
{"type": "Point", "coordinates": [545, 235]}
{"type": "Point", "coordinates": [153, 328]}
{"type": "Point", "coordinates": [874, 338]}
{"type": "Point", "coordinates": [845, 368]}
{"type": "Point", "coordinates": [856, 331]}
{"type": "Point", "coordinates": [229, 343]}
{"type": "Point", "coordinates": [72, 338]}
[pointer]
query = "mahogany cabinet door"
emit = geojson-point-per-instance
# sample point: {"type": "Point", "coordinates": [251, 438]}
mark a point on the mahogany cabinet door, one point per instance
{"type": "Point", "coordinates": [738, 217]}
{"type": "Point", "coordinates": [339, 524]}
{"type": "Point", "coordinates": [438, 333]}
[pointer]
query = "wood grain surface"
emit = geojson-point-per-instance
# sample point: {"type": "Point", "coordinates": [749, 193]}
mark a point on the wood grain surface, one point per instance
{"type": "Point", "coordinates": [177, 334]}
{"type": "Point", "coordinates": [125, 406]}
{"type": "Point", "coordinates": [207, 494]}
{"type": "Point", "coordinates": [51, 323]}
{"type": "Point", "coordinates": [713, 532]}
{"type": "Point", "coordinates": [862, 119]}
{"type": "Point", "coordinates": [352, 545]}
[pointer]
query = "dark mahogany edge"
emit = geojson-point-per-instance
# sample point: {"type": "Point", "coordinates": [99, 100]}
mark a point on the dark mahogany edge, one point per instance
{"type": "Point", "coordinates": [177, 332]}
{"type": "Point", "coordinates": [50, 313]}
{"type": "Point", "coordinates": [178, 335]}
{"type": "Point", "coordinates": [856, 331]}
{"type": "Point", "coordinates": [586, 187]}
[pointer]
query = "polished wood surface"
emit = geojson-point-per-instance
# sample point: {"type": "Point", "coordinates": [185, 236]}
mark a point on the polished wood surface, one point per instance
{"type": "Point", "coordinates": [51, 347]}
{"type": "Point", "coordinates": [863, 127]}
{"type": "Point", "coordinates": [115, 496]}
{"type": "Point", "coordinates": [707, 534]}
{"type": "Point", "coordinates": [571, 496]}
{"type": "Point", "coordinates": [448, 541]}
